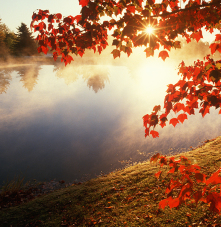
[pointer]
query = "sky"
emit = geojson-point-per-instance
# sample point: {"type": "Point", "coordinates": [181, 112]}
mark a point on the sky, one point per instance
{"type": "Point", "coordinates": [15, 12]}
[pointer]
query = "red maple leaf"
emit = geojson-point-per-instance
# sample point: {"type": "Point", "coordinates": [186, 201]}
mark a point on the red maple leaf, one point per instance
{"type": "Point", "coordinates": [197, 35]}
{"type": "Point", "coordinates": [146, 120]}
{"type": "Point", "coordinates": [59, 16]}
{"type": "Point", "coordinates": [156, 108]}
{"type": "Point", "coordinates": [99, 49]}
{"type": "Point", "coordinates": [146, 132]}
{"type": "Point", "coordinates": [214, 199]}
{"type": "Point", "coordinates": [116, 53]}
{"type": "Point", "coordinates": [182, 117]}
{"type": "Point", "coordinates": [215, 178]}
{"type": "Point", "coordinates": [178, 106]}
{"type": "Point", "coordinates": [204, 110]}
{"type": "Point", "coordinates": [218, 37]}
{"type": "Point", "coordinates": [163, 203]}
{"type": "Point", "coordinates": [169, 201]}
{"type": "Point", "coordinates": [197, 196]}
{"type": "Point", "coordinates": [157, 175]}
{"type": "Point", "coordinates": [174, 203]}
{"type": "Point", "coordinates": [214, 47]}
{"type": "Point", "coordinates": [68, 59]}
{"type": "Point", "coordinates": [81, 52]}
{"type": "Point", "coordinates": [163, 54]}
{"type": "Point", "coordinates": [77, 18]}
{"type": "Point", "coordinates": [168, 106]}
{"type": "Point", "coordinates": [128, 51]}
{"type": "Point", "coordinates": [43, 49]}
{"type": "Point", "coordinates": [174, 121]}
{"type": "Point", "coordinates": [55, 55]}
{"type": "Point", "coordinates": [140, 2]}
{"type": "Point", "coordinates": [83, 2]}
{"type": "Point", "coordinates": [131, 9]}
{"type": "Point", "coordinates": [154, 133]}
{"type": "Point", "coordinates": [155, 157]}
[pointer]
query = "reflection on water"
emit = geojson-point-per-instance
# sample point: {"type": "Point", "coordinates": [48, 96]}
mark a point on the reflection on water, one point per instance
{"type": "Point", "coordinates": [74, 122]}
{"type": "Point", "coordinates": [29, 76]}
{"type": "Point", "coordinates": [5, 77]}
{"type": "Point", "coordinates": [95, 75]}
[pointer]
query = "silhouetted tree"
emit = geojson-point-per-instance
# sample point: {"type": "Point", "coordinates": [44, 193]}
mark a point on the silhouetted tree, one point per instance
{"type": "Point", "coordinates": [10, 39]}
{"type": "Point", "coordinates": [3, 47]}
{"type": "Point", "coordinates": [25, 44]}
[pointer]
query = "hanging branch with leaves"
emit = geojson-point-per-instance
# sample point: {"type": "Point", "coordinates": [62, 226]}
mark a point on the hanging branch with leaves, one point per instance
{"type": "Point", "coordinates": [127, 21]}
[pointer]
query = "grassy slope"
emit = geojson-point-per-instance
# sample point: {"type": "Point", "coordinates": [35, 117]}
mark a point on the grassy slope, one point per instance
{"type": "Point", "coordinates": [128, 197]}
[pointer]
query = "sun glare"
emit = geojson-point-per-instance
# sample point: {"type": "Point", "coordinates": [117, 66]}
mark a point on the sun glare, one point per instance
{"type": "Point", "coordinates": [149, 29]}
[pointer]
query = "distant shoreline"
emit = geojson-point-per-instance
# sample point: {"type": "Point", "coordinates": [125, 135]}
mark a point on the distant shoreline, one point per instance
{"type": "Point", "coordinates": [12, 61]}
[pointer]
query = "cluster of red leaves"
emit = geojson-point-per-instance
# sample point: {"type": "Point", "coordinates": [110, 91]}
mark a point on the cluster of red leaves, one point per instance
{"type": "Point", "coordinates": [199, 87]}
{"type": "Point", "coordinates": [68, 35]}
{"type": "Point", "coordinates": [190, 182]}
{"type": "Point", "coordinates": [199, 84]}
{"type": "Point", "coordinates": [129, 19]}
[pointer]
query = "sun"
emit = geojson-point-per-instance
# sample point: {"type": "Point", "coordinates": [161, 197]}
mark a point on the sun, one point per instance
{"type": "Point", "coordinates": [149, 29]}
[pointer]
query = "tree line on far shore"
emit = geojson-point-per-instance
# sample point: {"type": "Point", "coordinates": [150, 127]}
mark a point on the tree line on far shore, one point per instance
{"type": "Point", "coordinates": [21, 43]}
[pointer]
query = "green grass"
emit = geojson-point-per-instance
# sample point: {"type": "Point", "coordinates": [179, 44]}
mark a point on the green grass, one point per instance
{"type": "Point", "coordinates": [127, 197]}
{"type": "Point", "coordinates": [12, 186]}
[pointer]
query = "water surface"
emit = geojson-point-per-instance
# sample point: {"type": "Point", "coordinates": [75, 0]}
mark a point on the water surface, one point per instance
{"type": "Point", "coordinates": [70, 123]}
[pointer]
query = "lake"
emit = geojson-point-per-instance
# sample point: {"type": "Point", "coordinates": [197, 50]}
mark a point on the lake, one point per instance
{"type": "Point", "coordinates": [77, 122]}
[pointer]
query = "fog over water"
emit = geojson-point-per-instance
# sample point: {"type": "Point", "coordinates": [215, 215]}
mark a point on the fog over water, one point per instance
{"type": "Point", "coordinates": [71, 123]}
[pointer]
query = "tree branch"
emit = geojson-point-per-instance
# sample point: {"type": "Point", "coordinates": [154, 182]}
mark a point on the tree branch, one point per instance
{"type": "Point", "coordinates": [187, 9]}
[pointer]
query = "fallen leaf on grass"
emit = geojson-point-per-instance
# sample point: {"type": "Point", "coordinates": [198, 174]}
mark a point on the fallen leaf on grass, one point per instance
{"type": "Point", "coordinates": [110, 207]}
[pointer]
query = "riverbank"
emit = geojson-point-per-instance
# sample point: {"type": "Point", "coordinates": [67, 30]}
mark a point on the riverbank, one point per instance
{"type": "Point", "coordinates": [127, 197]}
{"type": "Point", "coordinates": [26, 60]}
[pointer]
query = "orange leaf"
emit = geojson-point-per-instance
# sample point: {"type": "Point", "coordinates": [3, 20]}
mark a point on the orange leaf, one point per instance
{"type": "Point", "coordinates": [163, 54]}
{"type": "Point", "coordinates": [116, 53]}
{"type": "Point", "coordinates": [111, 207]}
{"type": "Point", "coordinates": [149, 52]}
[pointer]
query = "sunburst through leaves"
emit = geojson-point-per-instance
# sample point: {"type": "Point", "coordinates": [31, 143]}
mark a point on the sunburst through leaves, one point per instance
{"type": "Point", "coordinates": [149, 30]}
